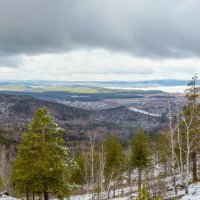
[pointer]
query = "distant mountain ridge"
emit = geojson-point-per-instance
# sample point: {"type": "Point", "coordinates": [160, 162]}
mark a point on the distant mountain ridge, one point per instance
{"type": "Point", "coordinates": [87, 86]}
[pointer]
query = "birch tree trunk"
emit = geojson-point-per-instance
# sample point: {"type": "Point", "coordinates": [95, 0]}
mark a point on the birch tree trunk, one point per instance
{"type": "Point", "coordinates": [173, 160]}
{"type": "Point", "coordinates": [180, 146]}
{"type": "Point", "coordinates": [92, 166]}
{"type": "Point", "coordinates": [102, 166]}
{"type": "Point", "coordinates": [188, 124]}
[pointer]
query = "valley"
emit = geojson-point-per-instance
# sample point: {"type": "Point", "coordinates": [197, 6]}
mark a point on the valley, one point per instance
{"type": "Point", "coordinates": [109, 111]}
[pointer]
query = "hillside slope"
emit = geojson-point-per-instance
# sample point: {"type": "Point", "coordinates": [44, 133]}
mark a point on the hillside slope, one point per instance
{"type": "Point", "coordinates": [16, 111]}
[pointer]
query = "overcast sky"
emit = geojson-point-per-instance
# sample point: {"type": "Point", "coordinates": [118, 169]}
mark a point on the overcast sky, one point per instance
{"type": "Point", "coordinates": [99, 39]}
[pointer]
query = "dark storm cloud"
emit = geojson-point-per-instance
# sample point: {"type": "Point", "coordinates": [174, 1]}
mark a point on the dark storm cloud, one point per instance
{"type": "Point", "coordinates": [146, 28]}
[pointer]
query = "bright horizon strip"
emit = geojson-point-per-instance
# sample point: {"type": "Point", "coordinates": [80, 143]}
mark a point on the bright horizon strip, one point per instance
{"type": "Point", "coordinates": [170, 89]}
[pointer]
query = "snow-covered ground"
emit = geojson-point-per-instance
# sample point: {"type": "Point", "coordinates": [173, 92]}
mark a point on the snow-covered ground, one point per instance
{"type": "Point", "coordinates": [88, 197]}
{"type": "Point", "coordinates": [194, 192]}
{"type": "Point", "coordinates": [7, 198]}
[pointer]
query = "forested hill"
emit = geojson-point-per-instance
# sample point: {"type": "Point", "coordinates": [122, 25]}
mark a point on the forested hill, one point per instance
{"type": "Point", "coordinates": [19, 109]}
{"type": "Point", "coordinates": [16, 111]}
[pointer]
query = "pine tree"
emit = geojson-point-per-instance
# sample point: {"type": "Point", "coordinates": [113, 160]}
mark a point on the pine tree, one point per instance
{"type": "Point", "coordinates": [78, 174]}
{"type": "Point", "coordinates": [141, 153]}
{"type": "Point", "coordinates": [162, 149]}
{"type": "Point", "coordinates": [42, 164]}
{"type": "Point", "coordinates": [1, 184]}
{"type": "Point", "coordinates": [143, 194]}
{"type": "Point", "coordinates": [114, 161]}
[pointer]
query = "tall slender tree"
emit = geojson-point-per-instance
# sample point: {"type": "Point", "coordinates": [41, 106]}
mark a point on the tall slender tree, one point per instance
{"type": "Point", "coordinates": [78, 174]}
{"type": "Point", "coordinates": [193, 96]}
{"type": "Point", "coordinates": [1, 184]}
{"type": "Point", "coordinates": [114, 161]}
{"type": "Point", "coordinates": [141, 153]}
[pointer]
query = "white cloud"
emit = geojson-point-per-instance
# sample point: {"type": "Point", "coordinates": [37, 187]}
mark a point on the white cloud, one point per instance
{"type": "Point", "coordinates": [99, 65]}
{"type": "Point", "coordinates": [99, 39]}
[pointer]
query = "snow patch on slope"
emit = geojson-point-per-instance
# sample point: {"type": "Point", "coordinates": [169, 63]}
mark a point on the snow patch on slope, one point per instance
{"type": "Point", "coordinates": [143, 112]}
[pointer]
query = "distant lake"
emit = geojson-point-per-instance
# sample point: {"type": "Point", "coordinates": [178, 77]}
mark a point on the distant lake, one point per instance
{"type": "Point", "coordinates": [170, 89]}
